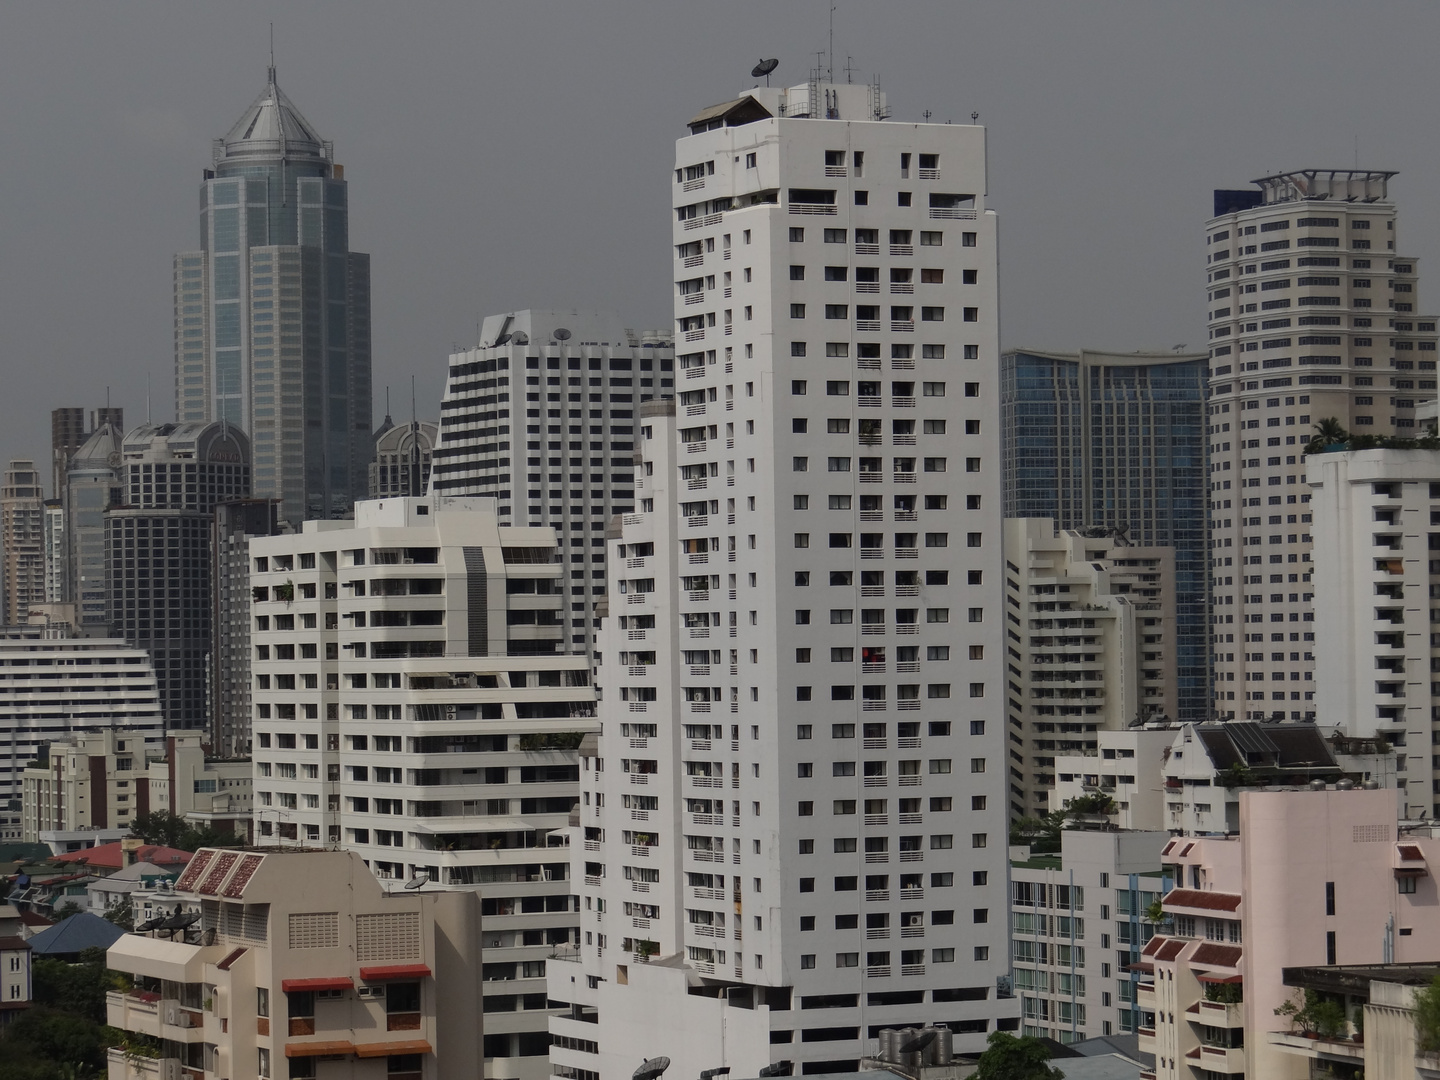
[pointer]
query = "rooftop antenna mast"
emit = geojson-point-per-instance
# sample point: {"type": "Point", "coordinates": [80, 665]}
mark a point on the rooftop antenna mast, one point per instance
{"type": "Point", "coordinates": [830, 60]}
{"type": "Point", "coordinates": [272, 52]}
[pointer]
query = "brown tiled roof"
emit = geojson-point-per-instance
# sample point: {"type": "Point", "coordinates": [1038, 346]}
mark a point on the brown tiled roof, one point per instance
{"type": "Point", "coordinates": [1169, 847]}
{"type": "Point", "coordinates": [1411, 853]}
{"type": "Point", "coordinates": [1211, 952]}
{"type": "Point", "coordinates": [1170, 949]}
{"type": "Point", "coordinates": [1200, 898]}
{"type": "Point", "coordinates": [1153, 945]}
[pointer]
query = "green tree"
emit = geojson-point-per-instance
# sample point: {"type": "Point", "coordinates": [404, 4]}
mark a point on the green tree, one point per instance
{"type": "Point", "coordinates": [1008, 1057]}
{"type": "Point", "coordinates": [1427, 1016]}
{"type": "Point", "coordinates": [122, 913]}
{"type": "Point", "coordinates": [165, 829]}
{"type": "Point", "coordinates": [78, 989]}
{"type": "Point", "coordinates": [51, 1044]}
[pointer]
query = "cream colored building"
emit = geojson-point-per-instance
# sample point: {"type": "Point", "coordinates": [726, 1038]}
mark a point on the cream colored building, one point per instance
{"type": "Point", "coordinates": [1095, 623]}
{"type": "Point", "coordinates": [104, 780]}
{"type": "Point", "coordinates": [301, 965]}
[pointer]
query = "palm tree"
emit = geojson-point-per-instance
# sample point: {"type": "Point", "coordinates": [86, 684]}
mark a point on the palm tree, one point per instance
{"type": "Point", "coordinates": [1328, 432]}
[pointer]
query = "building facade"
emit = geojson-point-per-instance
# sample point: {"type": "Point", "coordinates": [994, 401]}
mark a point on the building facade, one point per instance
{"type": "Point", "coordinates": [1314, 877]}
{"type": "Point", "coordinates": [1117, 441]}
{"type": "Point", "coordinates": [585, 375]}
{"type": "Point", "coordinates": [91, 486]}
{"type": "Point", "coordinates": [1377, 532]}
{"type": "Point", "coordinates": [272, 314]}
{"type": "Point", "coordinates": [775, 864]}
{"type": "Point", "coordinates": [1125, 765]}
{"type": "Point", "coordinates": [1077, 922]}
{"type": "Point", "coordinates": [300, 964]}
{"type": "Point", "coordinates": [158, 551]}
{"type": "Point", "coordinates": [414, 703]}
{"type": "Point", "coordinates": [235, 524]}
{"type": "Point", "coordinates": [205, 791]}
{"type": "Point", "coordinates": [89, 780]}
{"type": "Point", "coordinates": [70, 429]}
{"type": "Point", "coordinates": [1305, 273]}
{"type": "Point", "coordinates": [1098, 653]}
{"type": "Point", "coordinates": [402, 458]}
{"type": "Point", "coordinates": [54, 688]}
{"type": "Point", "coordinates": [22, 541]}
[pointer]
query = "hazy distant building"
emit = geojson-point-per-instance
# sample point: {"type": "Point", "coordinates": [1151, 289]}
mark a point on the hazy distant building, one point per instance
{"type": "Point", "coordinates": [69, 429]}
{"type": "Point", "coordinates": [402, 458]}
{"type": "Point", "coordinates": [157, 551]}
{"type": "Point", "coordinates": [1117, 441]}
{"type": "Point", "coordinates": [1313, 315]}
{"type": "Point", "coordinates": [92, 483]}
{"type": "Point", "coordinates": [235, 524]}
{"type": "Point", "coordinates": [272, 314]}
{"type": "Point", "coordinates": [22, 538]}
{"type": "Point", "coordinates": [583, 376]}
{"type": "Point", "coordinates": [54, 552]}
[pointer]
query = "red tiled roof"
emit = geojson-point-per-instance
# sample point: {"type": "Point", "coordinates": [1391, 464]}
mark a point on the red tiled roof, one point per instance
{"type": "Point", "coordinates": [1186, 850]}
{"type": "Point", "coordinates": [1153, 945]}
{"type": "Point", "coordinates": [405, 1046]}
{"type": "Point", "coordinates": [394, 971]}
{"type": "Point", "coordinates": [341, 982]}
{"type": "Point", "coordinates": [230, 959]}
{"type": "Point", "coordinates": [1170, 949]}
{"type": "Point", "coordinates": [1211, 952]}
{"type": "Point", "coordinates": [1411, 853]}
{"type": "Point", "coordinates": [1169, 847]}
{"type": "Point", "coordinates": [319, 1049]}
{"type": "Point", "coordinates": [1201, 898]}
{"type": "Point", "coordinates": [110, 856]}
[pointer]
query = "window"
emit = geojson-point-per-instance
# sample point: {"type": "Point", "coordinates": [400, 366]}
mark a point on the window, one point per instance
{"type": "Point", "coordinates": [797, 273]}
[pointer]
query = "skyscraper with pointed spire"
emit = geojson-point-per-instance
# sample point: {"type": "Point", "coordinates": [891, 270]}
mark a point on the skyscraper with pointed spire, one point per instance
{"type": "Point", "coordinates": [272, 314]}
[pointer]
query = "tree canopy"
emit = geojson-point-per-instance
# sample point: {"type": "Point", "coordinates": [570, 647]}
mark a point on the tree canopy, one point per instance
{"type": "Point", "coordinates": [1011, 1057]}
{"type": "Point", "coordinates": [165, 829]}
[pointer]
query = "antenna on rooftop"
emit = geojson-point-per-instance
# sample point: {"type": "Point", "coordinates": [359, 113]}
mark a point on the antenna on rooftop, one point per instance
{"type": "Point", "coordinates": [561, 334]}
{"type": "Point", "coordinates": [764, 67]}
{"type": "Point", "coordinates": [830, 59]}
{"type": "Point", "coordinates": [272, 52]}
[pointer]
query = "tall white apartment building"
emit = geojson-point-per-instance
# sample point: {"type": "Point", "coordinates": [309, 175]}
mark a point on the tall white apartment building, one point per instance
{"type": "Point", "coordinates": [1304, 274]}
{"type": "Point", "coordinates": [54, 687]}
{"type": "Point", "coordinates": [413, 703]}
{"type": "Point", "coordinates": [1094, 649]}
{"type": "Point", "coordinates": [577, 377]}
{"type": "Point", "coordinates": [1078, 921]}
{"type": "Point", "coordinates": [794, 818]}
{"type": "Point", "coordinates": [1377, 563]}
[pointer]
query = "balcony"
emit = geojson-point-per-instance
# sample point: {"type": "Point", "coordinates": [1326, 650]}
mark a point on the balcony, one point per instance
{"type": "Point", "coordinates": [122, 1066]}
{"type": "Point", "coordinates": [1222, 1059]}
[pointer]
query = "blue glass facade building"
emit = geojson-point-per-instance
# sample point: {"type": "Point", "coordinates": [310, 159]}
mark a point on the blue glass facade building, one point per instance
{"type": "Point", "coordinates": [1118, 441]}
{"type": "Point", "coordinates": [272, 314]}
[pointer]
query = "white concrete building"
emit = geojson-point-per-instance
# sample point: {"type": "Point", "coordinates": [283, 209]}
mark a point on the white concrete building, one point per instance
{"type": "Point", "coordinates": [15, 985]}
{"type": "Point", "coordinates": [1077, 921]}
{"type": "Point", "coordinates": [796, 808]}
{"type": "Point", "coordinates": [1377, 559]}
{"type": "Point", "coordinates": [1098, 651]}
{"type": "Point", "coordinates": [205, 791]}
{"type": "Point", "coordinates": [93, 780]}
{"type": "Point", "coordinates": [584, 376]}
{"type": "Point", "coordinates": [1313, 315]}
{"type": "Point", "coordinates": [1125, 765]}
{"type": "Point", "coordinates": [414, 703]}
{"type": "Point", "coordinates": [55, 687]}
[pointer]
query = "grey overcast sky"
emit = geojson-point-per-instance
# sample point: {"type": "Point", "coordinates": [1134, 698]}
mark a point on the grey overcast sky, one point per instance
{"type": "Point", "coordinates": [505, 155]}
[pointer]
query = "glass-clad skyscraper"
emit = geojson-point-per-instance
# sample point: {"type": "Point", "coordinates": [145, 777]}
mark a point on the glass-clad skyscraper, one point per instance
{"type": "Point", "coordinates": [1117, 440]}
{"type": "Point", "coordinates": [272, 314]}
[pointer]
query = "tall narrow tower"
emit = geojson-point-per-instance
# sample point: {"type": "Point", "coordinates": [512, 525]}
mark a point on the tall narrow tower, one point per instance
{"type": "Point", "coordinates": [272, 314]}
{"type": "Point", "coordinates": [798, 834]}
{"type": "Point", "coordinates": [1313, 316]}
{"type": "Point", "coordinates": [22, 534]}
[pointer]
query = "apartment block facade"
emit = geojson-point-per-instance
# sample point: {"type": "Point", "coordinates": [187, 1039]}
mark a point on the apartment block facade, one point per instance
{"type": "Point", "coordinates": [1306, 274]}
{"type": "Point", "coordinates": [1096, 648]}
{"type": "Point", "coordinates": [158, 551]}
{"type": "Point", "coordinates": [235, 524]}
{"type": "Point", "coordinates": [413, 703]}
{"type": "Point", "coordinates": [1117, 441]}
{"type": "Point", "coordinates": [55, 687]}
{"type": "Point", "coordinates": [584, 377]}
{"type": "Point", "coordinates": [1078, 922]}
{"type": "Point", "coordinates": [797, 836]}
{"type": "Point", "coordinates": [22, 542]}
{"type": "Point", "coordinates": [1377, 565]}
{"type": "Point", "coordinates": [91, 484]}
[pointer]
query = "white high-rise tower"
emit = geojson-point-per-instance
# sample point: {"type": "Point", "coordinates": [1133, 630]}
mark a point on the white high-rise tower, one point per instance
{"type": "Point", "coordinates": [793, 825]}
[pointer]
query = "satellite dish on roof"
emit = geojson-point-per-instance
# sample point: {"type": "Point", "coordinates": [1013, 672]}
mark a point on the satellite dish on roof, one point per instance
{"type": "Point", "coordinates": [561, 334]}
{"type": "Point", "coordinates": [763, 70]}
{"type": "Point", "coordinates": [419, 881]}
{"type": "Point", "coordinates": [150, 924]}
{"type": "Point", "coordinates": [520, 338]}
{"type": "Point", "coordinates": [779, 1068]}
{"type": "Point", "coordinates": [920, 1042]}
{"type": "Point", "coordinates": [501, 340]}
{"type": "Point", "coordinates": [651, 1069]}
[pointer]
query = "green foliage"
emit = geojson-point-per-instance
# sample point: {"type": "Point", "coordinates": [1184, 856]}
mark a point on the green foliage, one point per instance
{"type": "Point", "coordinates": [78, 989]}
{"type": "Point", "coordinates": [1098, 803]}
{"type": "Point", "coordinates": [51, 1044]}
{"type": "Point", "coordinates": [65, 909]}
{"type": "Point", "coordinates": [1238, 775]}
{"type": "Point", "coordinates": [1427, 1016]}
{"type": "Point", "coordinates": [1155, 912]}
{"type": "Point", "coordinates": [1225, 993]}
{"type": "Point", "coordinates": [1008, 1057]}
{"type": "Point", "coordinates": [165, 829]}
{"type": "Point", "coordinates": [1314, 1014]}
{"type": "Point", "coordinates": [1330, 434]}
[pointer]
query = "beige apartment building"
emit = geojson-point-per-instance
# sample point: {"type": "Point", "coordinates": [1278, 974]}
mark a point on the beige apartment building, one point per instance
{"type": "Point", "coordinates": [1090, 628]}
{"type": "Point", "coordinates": [301, 965]}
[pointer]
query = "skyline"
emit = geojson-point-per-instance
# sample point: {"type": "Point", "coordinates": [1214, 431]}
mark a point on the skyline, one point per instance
{"type": "Point", "coordinates": [503, 215]}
